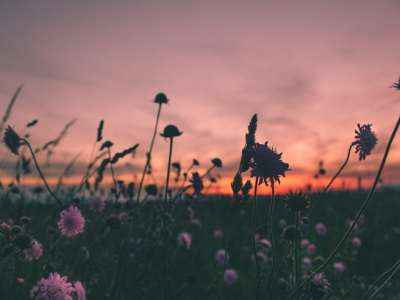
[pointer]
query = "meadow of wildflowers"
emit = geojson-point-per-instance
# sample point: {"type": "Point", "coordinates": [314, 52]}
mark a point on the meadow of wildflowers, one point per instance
{"type": "Point", "coordinates": [93, 241]}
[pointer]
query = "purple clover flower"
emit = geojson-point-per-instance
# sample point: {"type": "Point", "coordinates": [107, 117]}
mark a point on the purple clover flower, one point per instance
{"type": "Point", "coordinates": [365, 141]}
{"type": "Point", "coordinates": [311, 248]}
{"type": "Point", "coordinates": [12, 140]}
{"type": "Point", "coordinates": [356, 242]}
{"type": "Point", "coordinates": [306, 263]}
{"type": "Point", "coordinates": [304, 243]}
{"type": "Point", "coordinates": [55, 288]}
{"type": "Point", "coordinates": [266, 164]}
{"type": "Point", "coordinates": [185, 238]}
{"type": "Point", "coordinates": [71, 222]}
{"type": "Point", "coordinates": [197, 184]}
{"type": "Point", "coordinates": [230, 276]}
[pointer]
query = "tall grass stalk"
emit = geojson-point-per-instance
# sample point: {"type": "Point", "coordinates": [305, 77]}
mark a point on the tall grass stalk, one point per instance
{"type": "Point", "coordinates": [271, 235]}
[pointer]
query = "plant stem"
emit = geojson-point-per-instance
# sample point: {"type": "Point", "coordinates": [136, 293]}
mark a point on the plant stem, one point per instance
{"type": "Point", "coordinates": [295, 254]}
{"type": "Point", "coordinates": [113, 176]}
{"type": "Point", "coordinates": [253, 237]}
{"type": "Point", "coordinates": [272, 239]}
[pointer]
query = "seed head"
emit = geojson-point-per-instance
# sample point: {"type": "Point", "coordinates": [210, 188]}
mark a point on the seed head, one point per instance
{"type": "Point", "coordinates": [12, 140]}
{"type": "Point", "coordinates": [113, 222]}
{"type": "Point", "coordinates": [23, 241]}
{"type": "Point", "coordinates": [297, 201]}
{"type": "Point", "coordinates": [217, 162]}
{"type": "Point", "coordinates": [171, 131]}
{"type": "Point", "coordinates": [365, 141]}
{"type": "Point", "coordinates": [161, 98]}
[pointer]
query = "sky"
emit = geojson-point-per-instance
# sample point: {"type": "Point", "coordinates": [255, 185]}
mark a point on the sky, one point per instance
{"type": "Point", "coordinates": [311, 71]}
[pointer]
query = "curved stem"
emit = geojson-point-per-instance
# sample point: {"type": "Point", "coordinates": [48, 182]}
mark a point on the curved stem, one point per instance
{"type": "Point", "coordinates": [334, 177]}
{"type": "Point", "coordinates": [40, 173]}
{"type": "Point", "coordinates": [385, 283]}
{"type": "Point", "coordinates": [149, 154]}
{"type": "Point", "coordinates": [272, 239]}
{"type": "Point", "coordinates": [253, 237]}
{"type": "Point", "coordinates": [113, 176]}
{"type": "Point", "coordinates": [164, 231]}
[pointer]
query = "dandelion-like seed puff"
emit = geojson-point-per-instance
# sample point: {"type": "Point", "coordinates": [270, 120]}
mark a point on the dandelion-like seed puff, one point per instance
{"type": "Point", "coordinates": [266, 164]}
{"type": "Point", "coordinates": [365, 141]}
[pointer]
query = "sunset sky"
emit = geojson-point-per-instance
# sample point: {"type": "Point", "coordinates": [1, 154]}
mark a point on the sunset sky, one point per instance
{"type": "Point", "coordinates": [311, 70]}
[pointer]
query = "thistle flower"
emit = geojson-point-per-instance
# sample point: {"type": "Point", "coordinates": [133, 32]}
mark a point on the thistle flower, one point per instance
{"type": "Point", "coordinates": [55, 288]}
{"type": "Point", "coordinates": [79, 290]}
{"type": "Point", "coordinates": [35, 252]}
{"type": "Point", "coordinates": [71, 221]}
{"type": "Point", "coordinates": [12, 140]}
{"type": "Point", "coordinates": [297, 201]}
{"type": "Point", "coordinates": [230, 276]}
{"type": "Point", "coordinates": [97, 204]}
{"type": "Point", "coordinates": [197, 184]}
{"type": "Point", "coordinates": [220, 256]}
{"type": "Point", "coordinates": [185, 238]}
{"type": "Point", "coordinates": [266, 164]}
{"type": "Point", "coordinates": [396, 85]}
{"type": "Point", "coordinates": [318, 288]}
{"type": "Point", "coordinates": [365, 141]}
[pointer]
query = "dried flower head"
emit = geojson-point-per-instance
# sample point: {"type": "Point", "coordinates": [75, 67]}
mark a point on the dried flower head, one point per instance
{"type": "Point", "coordinates": [23, 241]}
{"type": "Point", "coordinates": [170, 131]}
{"type": "Point", "coordinates": [297, 201]}
{"type": "Point", "coordinates": [396, 85]}
{"type": "Point", "coordinates": [161, 98]}
{"type": "Point", "coordinates": [365, 141]}
{"type": "Point", "coordinates": [197, 183]}
{"type": "Point", "coordinates": [266, 163]}
{"type": "Point", "coordinates": [151, 189]}
{"type": "Point", "coordinates": [318, 288]}
{"type": "Point", "coordinates": [71, 222]}
{"type": "Point", "coordinates": [55, 288]}
{"type": "Point", "coordinates": [220, 256]}
{"type": "Point", "coordinates": [320, 228]}
{"type": "Point", "coordinates": [12, 140]}
{"type": "Point", "coordinates": [114, 222]}
{"type": "Point", "coordinates": [290, 233]}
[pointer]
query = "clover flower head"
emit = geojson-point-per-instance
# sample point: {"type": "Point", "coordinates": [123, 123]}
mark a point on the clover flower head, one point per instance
{"type": "Point", "coordinates": [266, 164]}
{"type": "Point", "coordinates": [161, 98]}
{"type": "Point", "coordinates": [185, 238]}
{"type": "Point", "coordinates": [79, 290]}
{"type": "Point", "coordinates": [220, 256]}
{"type": "Point", "coordinates": [297, 201]}
{"type": "Point", "coordinates": [171, 131]}
{"type": "Point", "coordinates": [71, 222]}
{"type": "Point", "coordinates": [97, 204]}
{"type": "Point", "coordinates": [230, 276]}
{"type": "Point", "coordinates": [365, 141]}
{"type": "Point", "coordinates": [311, 248]}
{"type": "Point", "coordinates": [35, 252]}
{"type": "Point", "coordinates": [197, 183]}
{"type": "Point", "coordinates": [318, 288]}
{"type": "Point", "coordinates": [12, 140]}
{"type": "Point", "coordinates": [55, 288]}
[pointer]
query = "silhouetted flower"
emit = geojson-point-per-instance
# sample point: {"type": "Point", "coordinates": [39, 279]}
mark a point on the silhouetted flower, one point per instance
{"type": "Point", "coordinates": [35, 252]}
{"type": "Point", "coordinates": [318, 288]}
{"type": "Point", "coordinates": [396, 85]}
{"type": "Point", "coordinates": [55, 288]}
{"type": "Point", "coordinates": [23, 241]}
{"type": "Point", "coordinates": [114, 222]}
{"type": "Point", "coordinates": [297, 201]}
{"type": "Point", "coordinates": [151, 189]}
{"type": "Point", "coordinates": [266, 243]}
{"type": "Point", "coordinates": [96, 203]}
{"type": "Point", "coordinates": [170, 131]}
{"type": "Point", "coordinates": [266, 163]}
{"type": "Point", "coordinates": [217, 162]}
{"type": "Point", "coordinates": [12, 140]}
{"type": "Point", "coordinates": [290, 233]}
{"type": "Point", "coordinates": [365, 141]}
{"type": "Point", "coordinates": [197, 184]}
{"type": "Point", "coordinates": [306, 263]}
{"type": "Point", "coordinates": [161, 98]}
{"type": "Point", "coordinates": [79, 290]}
{"type": "Point", "coordinates": [71, 222]}
{"type": "Point", "coordinates": [185, 238]}
{"type": "Point", "coordinates": [106, 144]}
{"type": "Point", "coordinates": [230, 276]}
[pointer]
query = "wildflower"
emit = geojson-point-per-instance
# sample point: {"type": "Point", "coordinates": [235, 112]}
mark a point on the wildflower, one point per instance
{"type": "Point", "coordinates": [186, 238]}
{"type": "Point", "coordinates": [304, 243]}
{"type": "Point", "coordinates": [261, 257]}
{"type": "Point", "coordinates": [365, 141]}
{"type": "Point", "coordinates": [196, 223]}
{"type": "Point", "coordinates": [311, 249]}
{"type": "Point", "coordinates": [20, 280]}
{"type": "Point", "coordinates": [217, 234]}
{"type": "Point", "coordinates": [131, 257]}
{"type": "Point", "coordinates": [170, 131]}
{"type": "Point", "coordinates": [114, 222]}
{"type": "Point", "coordinates": [266, 163]}
{"type": "Point", "coordinates": [220, 256]}
{"type": "Point", "coordinates": [338, 268]}
{"type": "Point", "coordinates": [151, 189]}
{"type": "Point", "coordinates": [79, 290]}
{"type": "Point", "coordinates": [161, 98]}
{"type": "Point", "coordinates": [318, 288]}
{"type": "Point", "coordinates": [307, 264]}
{"type": "Point", "coordinates": [23, 241]}
{"type": "Point", "coordinates": [290, 233]}
{"type": "Point", "coordinates": [197, 184]}
{"type": "Point", "coordinates": [321, 229]}
{"type": "Point", "coordinates": [396, 85]}
{"type": "Point", "coordinates": [266, 243]}
{"type": "Point", "coordinates": [97, 204]}
{"type": "Point", "coordinates": [297, 201]}
{"type": "Point", "coordinates": [217, 162]}
{"type": "Point", "coordinates": [230, 276]}
{"type": "Point", "coordinates": [55, 288]}
{"type": "Point", "coordinates": [71, 222]}
{"type": "Point", "coordinates": [35, 252]}
{"type": "Point", "coordinates": [12, 140]}
{"type": "Point", "coordinates": [356, 242]}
